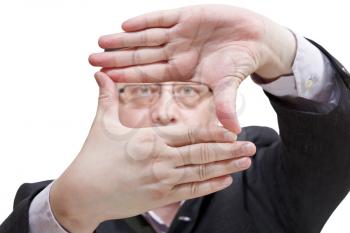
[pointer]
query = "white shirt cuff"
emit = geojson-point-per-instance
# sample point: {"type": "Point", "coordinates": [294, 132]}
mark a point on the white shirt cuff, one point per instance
{"type": "Point", "coordinates": [41, 218]}
{"type": "Point", "coordinates": [312, 76]}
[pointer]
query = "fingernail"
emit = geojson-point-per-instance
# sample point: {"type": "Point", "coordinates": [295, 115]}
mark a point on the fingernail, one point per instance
{"type": "Point", "coordinates": [227, 181]}
{"type": "Point", "coordinates": [230, 136]}
{"type": "Point", "coordinates": [243, 162]}
{"type": "Point", "coordinates": [247, 148]}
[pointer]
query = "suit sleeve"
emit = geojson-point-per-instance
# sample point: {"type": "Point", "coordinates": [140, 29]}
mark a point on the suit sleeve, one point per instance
{"type": "Point", "coordinates": [18, 220]}
{"type": "Point", "coordinates": [313, 82]}
{"type": "Point", "coordinates": [312, 175]}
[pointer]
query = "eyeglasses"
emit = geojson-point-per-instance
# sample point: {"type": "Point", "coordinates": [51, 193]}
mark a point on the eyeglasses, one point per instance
{"type": "Point", "coordinates": [147, 94]}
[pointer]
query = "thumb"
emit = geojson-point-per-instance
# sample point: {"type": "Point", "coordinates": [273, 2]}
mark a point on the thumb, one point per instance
{"type": "Point", "coordinates": [108, 96]}
{"type": "Point", "coordinates": [225, 94]}
{"type": "Point", "coordinates": [107, 116]}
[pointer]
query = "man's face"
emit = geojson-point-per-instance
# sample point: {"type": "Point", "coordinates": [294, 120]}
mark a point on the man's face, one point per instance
{"type": "Point", "coordinates": [146, 105]}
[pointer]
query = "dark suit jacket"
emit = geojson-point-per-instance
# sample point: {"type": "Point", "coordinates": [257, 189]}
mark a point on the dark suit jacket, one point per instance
{"type": "Point", "coordinates": [295, 182]}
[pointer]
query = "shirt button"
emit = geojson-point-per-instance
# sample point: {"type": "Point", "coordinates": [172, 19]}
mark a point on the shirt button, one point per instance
{"type": "Point", "coordinates": [309, 84]}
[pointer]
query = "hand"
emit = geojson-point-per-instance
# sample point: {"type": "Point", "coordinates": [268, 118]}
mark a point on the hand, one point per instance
{"type": "Point", "coordinates": [214, 44]}
{"type": "Point", "coordinates": [121, 172]}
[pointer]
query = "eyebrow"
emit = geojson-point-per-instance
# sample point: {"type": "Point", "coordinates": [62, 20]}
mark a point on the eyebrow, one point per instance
{"type": "Point", "coordinates": [120, 86]}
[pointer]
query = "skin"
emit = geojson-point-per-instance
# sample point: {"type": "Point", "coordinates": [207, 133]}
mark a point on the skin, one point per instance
{"type": "Point", "coordinates": [214, 44]}
{"type": "Point", "coordinates": [166, 111]}
{"type": "Point", "coordinates": [121, 172]}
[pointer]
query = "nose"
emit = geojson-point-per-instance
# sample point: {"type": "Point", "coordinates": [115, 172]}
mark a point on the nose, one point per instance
{"type": "Point", "coordinates": [165, 111]}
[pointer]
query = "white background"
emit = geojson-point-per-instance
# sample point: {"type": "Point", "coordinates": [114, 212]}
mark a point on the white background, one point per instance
{"type": "Point", "coordinates": [48, 95]}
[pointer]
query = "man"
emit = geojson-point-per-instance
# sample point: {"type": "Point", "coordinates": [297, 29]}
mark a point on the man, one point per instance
{"type": "Point", "coordinates": [295, 180]}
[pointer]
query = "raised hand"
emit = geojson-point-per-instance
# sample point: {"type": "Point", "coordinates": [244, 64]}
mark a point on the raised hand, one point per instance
{"type": "Point", "coordinates": [213, 44]}
{"type": "Point", "coordinates": [121, 172]}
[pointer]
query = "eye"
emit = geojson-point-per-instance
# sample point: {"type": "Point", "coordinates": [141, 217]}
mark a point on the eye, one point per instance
{"type": "Point", "coordinates": [144, 91]}
{"type": "Point", "coordinates": [187, 91]}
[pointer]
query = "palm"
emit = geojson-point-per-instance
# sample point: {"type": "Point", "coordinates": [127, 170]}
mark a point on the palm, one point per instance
{"type": "Point", "coordinates": [211, 49]}
{"type": "Point", "coordinates": [199, 44]}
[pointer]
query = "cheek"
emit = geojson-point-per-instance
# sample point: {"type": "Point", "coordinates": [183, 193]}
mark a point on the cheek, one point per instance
{"type": "Point", "coordinates": [203, 114]}
{"type": "Point", "coordinates": [134, 118]}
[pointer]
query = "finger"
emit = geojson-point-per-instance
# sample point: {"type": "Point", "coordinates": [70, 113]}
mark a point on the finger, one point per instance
{"type": "Point", "coordinates": [208, 171]}
{"type": "Point", "coordinates": [164, 18]}
{"type": "Point", "coordinates": [203, 153]}
{"type": "Point", "coordinates": [225, 93]}
{"type": "Point", "coordinates": [150, 37]}
{"type": "Point", "coordinates": [198, 189]}
{"type": "Point", "coordinates": [179, 135]}
{"type": "Point", "coordinates": [108, 97]}
{"type": "Point", "coordinates": [156, 72]}
{"type": "Point", "coordinates": [171, 70]}
{"type": "Point", "coordinates": [130, 57]}
{"type": "Point", "coordinates": [107, 116]}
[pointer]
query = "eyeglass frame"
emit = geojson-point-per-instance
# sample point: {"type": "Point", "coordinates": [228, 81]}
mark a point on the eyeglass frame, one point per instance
{"type": "Point", "coordinates": [209, 90]}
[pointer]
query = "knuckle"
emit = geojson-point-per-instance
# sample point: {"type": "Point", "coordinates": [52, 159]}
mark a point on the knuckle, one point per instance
{"type": "Point", "coordinates": [143, 38]}
{"type": "Point", "coordinates": [165, 54]}
{"type": "Point", "coordinates": [167, 35]}
{"type": "Point", "coordinates": [183, 158]}
{"type": "Point", "coordinates": [105, 99]}
{"type": "Point", "coordinates": [164, 172]}
{"type": "Point", "coordinates": [204, 153]}
{"type": "Point", "coordinates": [136, 56]}
{"type": "Point", "coordinates": [142, 74]}
{"type": "Point", "coordinates": [170, 157]}
{"type": "Point", "coordinates": [177, 158]}
{"type": "Point", "coordinates": [190, 136]}
{"type": "Point", "coordinates": [202, 172]}
{"type": "Point", "coordinates": [147, 137]}
{"type": "Point", "coordinates": [167, 51]}
{"type": "Point", "coordinates": [194, 189]}
{"type": "Point", "coordinates": [161, 192]}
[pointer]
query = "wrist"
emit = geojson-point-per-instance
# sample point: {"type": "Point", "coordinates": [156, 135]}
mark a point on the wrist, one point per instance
{"type": "Point", "coordinates": [67, 212]}
{"type": "Point", "coordinates": [280, 52]}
